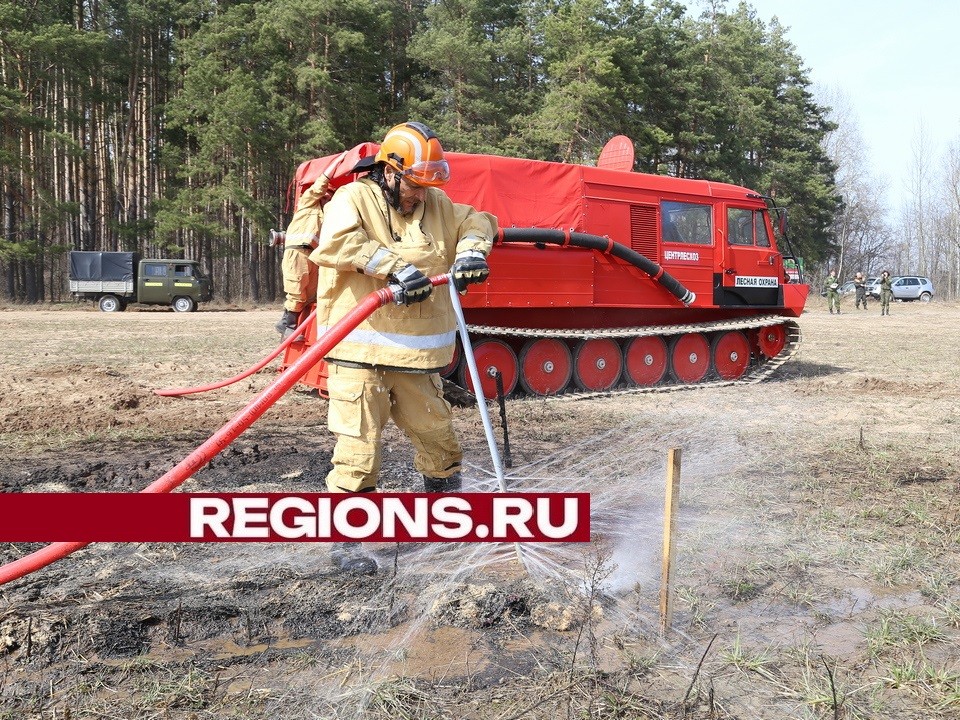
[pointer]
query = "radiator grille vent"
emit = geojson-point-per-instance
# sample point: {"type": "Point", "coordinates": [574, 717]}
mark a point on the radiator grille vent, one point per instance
{"type": "Point", "coordinates": [643, 231]}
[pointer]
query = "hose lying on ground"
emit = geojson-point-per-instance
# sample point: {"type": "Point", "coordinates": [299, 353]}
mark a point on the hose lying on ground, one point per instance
{"type": "Point", "coordinates": [219, 441]}
{"type": "Point", "coordinates": [177, 392]}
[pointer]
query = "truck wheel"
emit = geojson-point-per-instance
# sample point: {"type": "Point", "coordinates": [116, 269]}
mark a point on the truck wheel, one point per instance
{"type": "Point", "coordinates": [926, 297]}
{"type": "Point", "coordinates": [110, 303]}
{"type": "Point", "coordinates": [183, 304]}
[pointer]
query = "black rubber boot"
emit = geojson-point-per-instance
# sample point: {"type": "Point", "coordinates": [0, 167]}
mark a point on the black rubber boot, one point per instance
{"type": "Point", "coordinates": [452, 484]}
{"type": "Point", "coordinates": [288, 323]}
{"type": "Point", "coordinates": [349, 557]}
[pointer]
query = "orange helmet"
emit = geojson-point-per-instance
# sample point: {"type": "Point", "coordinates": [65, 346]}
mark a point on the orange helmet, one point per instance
{"type": "Point", "coordinates": [413, 150]}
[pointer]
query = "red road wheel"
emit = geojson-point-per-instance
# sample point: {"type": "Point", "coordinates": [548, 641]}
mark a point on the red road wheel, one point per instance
{"type": "Point", "coordinates": [689, 358]}
{"type": "Point", "coordinates": [546, 366]}
{"type": "Point", "coordinates": [731, 354]}
{"type": "Point", "coordinates": [645, 360]}
{"type": "Point", "coordinates": [597, 364]}
{"type": "Point", "coordinates": [451, 368]}
{"type": "Point", "coordinates": [491, 355]}
{"type": "Point", "coordinates": [771, 340]}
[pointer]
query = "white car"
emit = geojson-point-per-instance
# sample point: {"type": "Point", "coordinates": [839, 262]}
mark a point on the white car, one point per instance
{"type": "Point", "coordinates": [906, 287]}
{"type": "Point", "coordinates": [912, 287]}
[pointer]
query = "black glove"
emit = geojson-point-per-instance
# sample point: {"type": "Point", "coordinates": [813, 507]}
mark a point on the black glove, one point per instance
{"type": "Point", "coordinates": [414, 285]}
{"type": "Point", "coordinates": [469, 267]}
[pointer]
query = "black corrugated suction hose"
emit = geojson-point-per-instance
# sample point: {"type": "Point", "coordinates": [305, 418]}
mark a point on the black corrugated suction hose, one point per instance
{"type": "Point", "coordinates": [543, 236]}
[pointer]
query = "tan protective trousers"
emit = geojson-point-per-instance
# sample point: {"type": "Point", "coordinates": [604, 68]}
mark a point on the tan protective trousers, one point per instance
{"type": "Point", "coordinates": [362, 400]}
{"type": "Point", "coordinates": [299, 278]}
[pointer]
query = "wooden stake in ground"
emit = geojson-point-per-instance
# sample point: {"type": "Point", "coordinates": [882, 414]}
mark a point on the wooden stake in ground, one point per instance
{"type": "Point", "coordinates": [671, 502]}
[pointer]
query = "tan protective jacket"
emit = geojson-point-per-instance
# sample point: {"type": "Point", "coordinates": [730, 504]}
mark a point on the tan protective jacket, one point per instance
{"type": "Point", "coordinates": [304, 228]}
{"type": "Point", "coordinates": [362, 241]}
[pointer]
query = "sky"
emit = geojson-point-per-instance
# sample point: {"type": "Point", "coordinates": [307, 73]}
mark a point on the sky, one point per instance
{"type": "Point", "coordinates": [896, 61]}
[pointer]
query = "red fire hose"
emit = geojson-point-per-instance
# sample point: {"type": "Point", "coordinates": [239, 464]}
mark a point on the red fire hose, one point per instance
{"type": "Point", "coordinates": [217, 442]}
{"type": "Point", "coordinates": [177, 392]}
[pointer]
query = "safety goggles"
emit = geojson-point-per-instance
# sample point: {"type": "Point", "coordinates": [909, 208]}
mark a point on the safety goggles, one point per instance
{"type": "Point", "coordinates": [428, 173]}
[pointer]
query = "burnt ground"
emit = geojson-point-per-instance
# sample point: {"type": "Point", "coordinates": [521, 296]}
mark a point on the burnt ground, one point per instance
{"type": "Point", "coordinates": [818, 572]}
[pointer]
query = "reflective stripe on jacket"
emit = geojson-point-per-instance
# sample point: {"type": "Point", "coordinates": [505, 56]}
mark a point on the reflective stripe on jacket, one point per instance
{"type": "Point", "coordinates": [357, 252]}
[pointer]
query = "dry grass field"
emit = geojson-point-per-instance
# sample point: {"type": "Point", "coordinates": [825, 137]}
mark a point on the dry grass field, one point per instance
{"type": "Point", "coordinates": [818, 568]}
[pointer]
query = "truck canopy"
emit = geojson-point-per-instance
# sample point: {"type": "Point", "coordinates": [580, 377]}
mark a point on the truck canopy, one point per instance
{"type": "Point", "coordinates": [104, 266]}
{"type": "Point", "coordinates": [541, 194]}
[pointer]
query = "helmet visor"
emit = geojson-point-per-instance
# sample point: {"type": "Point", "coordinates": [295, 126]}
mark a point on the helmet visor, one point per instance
{"type": "Point", "coordinates": [430, 173]}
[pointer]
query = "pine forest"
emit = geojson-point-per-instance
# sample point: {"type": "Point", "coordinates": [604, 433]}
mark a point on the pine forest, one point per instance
{"type": "Point", "coordinates": [173, 127]}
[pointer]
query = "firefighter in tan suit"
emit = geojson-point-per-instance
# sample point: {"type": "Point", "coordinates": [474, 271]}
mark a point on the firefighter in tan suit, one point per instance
{"type": "Point", "coordinates": [301, 237]}
{"type": "Point", "coordinates": [396, 226]}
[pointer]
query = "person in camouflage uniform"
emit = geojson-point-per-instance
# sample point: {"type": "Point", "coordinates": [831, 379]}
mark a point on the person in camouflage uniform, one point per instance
{"type": "Point", "coordinates": [886, 292]}
{"type": "Point", "coordinates": [833, 297]}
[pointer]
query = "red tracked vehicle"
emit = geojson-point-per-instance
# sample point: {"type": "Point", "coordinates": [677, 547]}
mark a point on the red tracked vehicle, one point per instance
{"type": "Point", "coordinates": [604, 279]}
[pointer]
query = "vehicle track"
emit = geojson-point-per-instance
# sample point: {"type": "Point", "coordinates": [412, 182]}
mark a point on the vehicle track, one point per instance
{"type": "Point", "coordinates": [759, 369]}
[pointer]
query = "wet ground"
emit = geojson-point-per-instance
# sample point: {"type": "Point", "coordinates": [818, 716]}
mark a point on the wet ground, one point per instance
{"type": "Point", "coordinates": [817, 565]}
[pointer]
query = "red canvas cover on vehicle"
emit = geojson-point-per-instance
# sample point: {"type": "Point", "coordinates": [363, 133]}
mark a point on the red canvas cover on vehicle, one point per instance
{"type": "Point", "coordinates": [521, 193]}
{"type": "Point", "coordinates": [336, 166]}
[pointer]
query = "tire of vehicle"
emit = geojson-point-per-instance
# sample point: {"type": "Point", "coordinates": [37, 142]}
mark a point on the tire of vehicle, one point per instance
{"type": "Point", "coordinates": [597, 364]}
{"type": "Point", "coordinates": [546, 366]}
{"type": "Point", "coordinates": [731, 354]}
{"type": "Point", "coordinates": [771, 340]}
{"type": "Point", "coordinates": [491, 355]}
{"type": "Point", "coordinates": [183, 304]}
{"type": "Point", "coordinates": [689, 358]}
{"type": "Point", "coordinates": [110, 303]}
{"type": "Point", "coordinates": [926, 297]}
{"type": "Point", "coordinates": [645, 360]}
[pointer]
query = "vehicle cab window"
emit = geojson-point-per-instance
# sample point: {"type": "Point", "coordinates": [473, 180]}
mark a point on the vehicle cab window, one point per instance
{"type": "Point", "coordinates": [739, 226]}
{"type": "Point", "coordinates": [683, 222]}
{"type": "Point", "coordinates": [746, 227]}
{"type": "Point", "coordinates": [760, 230]}
{"type": "Point", "coordinates": [155, 270]}
{"type": "Point", "coordinates": [183, 271]}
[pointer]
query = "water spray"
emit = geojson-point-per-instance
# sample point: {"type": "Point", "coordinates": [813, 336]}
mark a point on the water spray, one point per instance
{"type": "Point", "coordinates": [481, 400]}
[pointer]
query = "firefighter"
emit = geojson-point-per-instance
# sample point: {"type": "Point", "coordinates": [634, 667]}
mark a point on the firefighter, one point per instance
{"type": "Point", "coordinates": [301, 237]}
{"type": "Point", "coordinates": [833, 297]}
{"type": "Point", "coordinates": [886, 292]}
{"type": "Point", "coordinates": [860, 285]}
{"type": "Point", "coordinates": [395, 226]}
